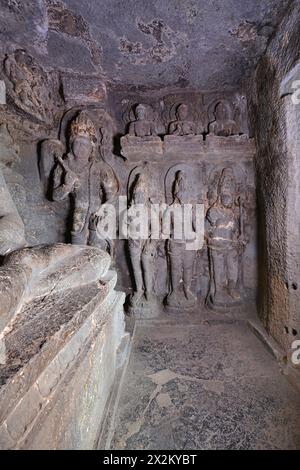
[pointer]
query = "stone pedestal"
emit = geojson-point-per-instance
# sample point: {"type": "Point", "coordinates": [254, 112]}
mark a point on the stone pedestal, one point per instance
{"type": "Point", "coordinates": [183, 147]}
{"type": "Point", "coordinates": [137, 149]}
{"type": "Point", "coordinates": [62, 352]}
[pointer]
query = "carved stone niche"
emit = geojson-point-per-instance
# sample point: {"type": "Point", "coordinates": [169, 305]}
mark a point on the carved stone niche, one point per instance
{"type": "Point", "coordinates": [74, 167]}
{"type": "Point", "coordinates": [227, 117]}
{"type": "Point", "coordinates": [194, 176]}
{"type": "Point", "coordinates": [142, 140]}
{"type": "Point", "coordinates": [183, 114]}
{"type": "Point", "coordinates": [33, 90]}
{"type": "Point", "coordinates": [143, 191]}
{"type": "Point", "coordinates": [183, 185]}
{"type": "Point", "coordinates": [227, 220]}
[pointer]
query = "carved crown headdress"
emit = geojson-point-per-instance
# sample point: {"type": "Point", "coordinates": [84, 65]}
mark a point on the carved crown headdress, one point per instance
{"type": "Point", "coordinates": [82, 125]}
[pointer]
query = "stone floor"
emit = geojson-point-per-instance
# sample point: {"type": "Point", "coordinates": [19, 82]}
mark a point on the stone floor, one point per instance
{"type": "Point", "coordinates": [196, 383]}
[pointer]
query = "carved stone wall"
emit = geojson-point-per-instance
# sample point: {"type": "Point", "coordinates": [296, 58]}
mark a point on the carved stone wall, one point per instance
{"type": "Point", "coordinates": [275, 121]}
{"type": "Point", "coordinates": [200, 134]}
{"type": "Point", "coordinates": [202, 162]}
{"type": "Point", "coordinates": [80, 146]}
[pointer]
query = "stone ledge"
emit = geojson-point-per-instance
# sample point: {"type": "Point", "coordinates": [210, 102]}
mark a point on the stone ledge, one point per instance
{"type": "Point", "coordinates": [177, 148]}
{"type": "Point", "coordinates": [136, 149]}
{"type": "Point", "coordinates": [257, 328]}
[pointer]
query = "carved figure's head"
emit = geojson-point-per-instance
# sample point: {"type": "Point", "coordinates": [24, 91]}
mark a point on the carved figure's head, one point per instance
{"type": "Point", "coordinates": [82, 136]}
{"type": "Point", "coordinates": [180, 191]}
{"type": "Point", "coordinates": [140, 190]}
{"type": "Point", "coordinates": [227, 187]}
{"type": "Point", "coordinates": [182, 112]}
{"type": "Point", "coordinates": [141, 112]}
{"type": "Point", "coordinates": [223, 111]}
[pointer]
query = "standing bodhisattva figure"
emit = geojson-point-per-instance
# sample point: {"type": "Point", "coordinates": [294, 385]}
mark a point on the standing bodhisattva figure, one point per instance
{"type": "Point", "coordinates": [87, 181]}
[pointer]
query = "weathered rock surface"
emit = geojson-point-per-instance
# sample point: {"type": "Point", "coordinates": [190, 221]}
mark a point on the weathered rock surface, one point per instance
{"type": "Point", "coordinates": [275, 120]}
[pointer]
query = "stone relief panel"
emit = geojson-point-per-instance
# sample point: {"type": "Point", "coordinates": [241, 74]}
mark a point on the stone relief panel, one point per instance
{"type": "Point", "coordinates": [144, 123]}
{"type": "Point", "coordinates": [144, 194]}
{"type": "Point", "coordinates": [164, 140]}
{"type": "Point", "coordinates": [192, 166]}
{"type": "Point", "coordinates": [142, 142]}
{"type": "Point", "coordinates": [32, 90]}
{"type": "Point", "coordinates": [142, 251]}
{"type": "Point", "coordinates": [73, 168]}
{"type": "Point", "coordinates": [225, 238]}
{"type": "Point", "coordinates": [196, 115]}
{"type": "Point", "coordinates": [184, 114]}
{"type": "Point", "coordinates": [141, 118]}
{"type": "Point", "coordinates": [181, 124]}
{"type": "Point", "coordinates": [222, 124]}
{"type": "Point", "coordinates": [226, 115]}
{"type": "Point", "coordinates": [183, 185]}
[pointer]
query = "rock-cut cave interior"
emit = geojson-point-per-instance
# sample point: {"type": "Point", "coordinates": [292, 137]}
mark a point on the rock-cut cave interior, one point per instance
{"type": "Point", "coordinates": [149, 224]}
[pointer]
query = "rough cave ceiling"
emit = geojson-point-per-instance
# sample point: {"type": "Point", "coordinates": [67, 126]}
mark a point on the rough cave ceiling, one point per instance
{"type": "Point", "coordinates": [147, 44]}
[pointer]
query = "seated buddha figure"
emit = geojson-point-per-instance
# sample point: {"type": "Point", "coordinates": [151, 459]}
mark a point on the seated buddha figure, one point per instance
{"type": "Point", "coordinates": [28, 273]}
{"type": "Point", "coordinates": [143, 126]}
{"type": "Point", "coordinates": [182, 126]}
{"type": "Point", "coordinates": [223, 125]}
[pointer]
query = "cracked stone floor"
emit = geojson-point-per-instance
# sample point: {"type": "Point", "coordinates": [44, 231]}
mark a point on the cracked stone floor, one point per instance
{"type": "Point", "coordinates": [203, 385]}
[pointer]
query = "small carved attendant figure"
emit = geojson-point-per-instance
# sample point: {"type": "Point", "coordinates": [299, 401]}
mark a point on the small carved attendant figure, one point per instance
{"type": "Point", "coordinates": [225, 242]}
{"type": "Point", "coordinates": [88, 182]}
{"type": "Point", "coordinates": [223, 125]}
{"type": "Point", "coordinates": [142, 251]}
{"type": "Point", "coordinates": [182, 126]}
{"type": "Point", "coordinates": [181, 260]}
{"type": "Point", "coordinates": [143, 126]}
{"type": "Point", "coordinates": [31, 88]}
